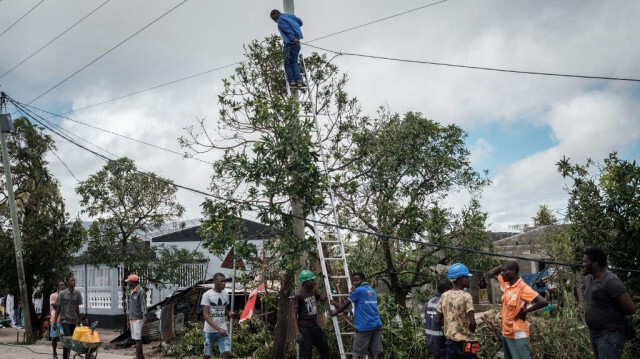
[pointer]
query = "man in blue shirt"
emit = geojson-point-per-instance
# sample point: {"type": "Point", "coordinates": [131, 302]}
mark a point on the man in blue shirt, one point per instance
{"type": "Point", "coordinates": [366, 318]}
{"type": "Point", "coordinates": [289, 27]}
{"type": "Point", "coordinates": [433, 330]}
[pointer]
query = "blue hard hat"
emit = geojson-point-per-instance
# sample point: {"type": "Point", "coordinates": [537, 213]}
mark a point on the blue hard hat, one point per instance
{"type": "Point", "coordinates": [458, 270]}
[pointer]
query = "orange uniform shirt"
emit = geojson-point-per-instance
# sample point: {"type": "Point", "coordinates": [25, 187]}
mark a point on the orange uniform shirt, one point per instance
{"type": "Point", "coordinates": [515, 298]}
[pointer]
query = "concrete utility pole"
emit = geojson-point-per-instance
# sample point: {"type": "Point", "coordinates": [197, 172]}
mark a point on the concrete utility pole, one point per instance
{"type": "Point", "coordinates": [6, 127]}
{"type": "Point", "coordinates": [296, 207]}
{"type": "Point", "coordinates": [288, 7]}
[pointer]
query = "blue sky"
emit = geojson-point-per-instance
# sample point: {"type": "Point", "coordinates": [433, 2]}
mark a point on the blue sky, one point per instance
{"type": "Point", "coordinates": [509, 142]}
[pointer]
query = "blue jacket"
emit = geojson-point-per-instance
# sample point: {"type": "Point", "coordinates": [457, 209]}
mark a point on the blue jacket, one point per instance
{"type": "Point", "coordinates": [434, 335]}
{"type": "Point", "coordinates": [289, 27]}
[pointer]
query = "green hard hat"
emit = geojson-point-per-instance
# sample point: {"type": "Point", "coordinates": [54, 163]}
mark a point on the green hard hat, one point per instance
{"type": "Point", "coordinates": [306, 275]}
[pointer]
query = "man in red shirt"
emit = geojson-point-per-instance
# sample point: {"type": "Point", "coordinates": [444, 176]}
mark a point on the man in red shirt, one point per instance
{"type": "Point", "coordinates": [515, 300]}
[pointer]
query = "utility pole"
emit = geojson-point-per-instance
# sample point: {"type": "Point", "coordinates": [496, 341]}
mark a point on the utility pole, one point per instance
{"type": "Point", "coordinates": [296, 207]}
{"type": "Point", "coordinates": [288, 7]}
{"type": "Point", "coordinates": [6, 127]}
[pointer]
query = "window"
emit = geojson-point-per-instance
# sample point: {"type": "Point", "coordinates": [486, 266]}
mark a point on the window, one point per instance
{"type": "Point", "coordinates": [99, 277]}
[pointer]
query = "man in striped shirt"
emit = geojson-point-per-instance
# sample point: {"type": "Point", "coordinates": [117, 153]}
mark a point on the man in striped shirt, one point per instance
{"type": "Point", "coordinates": [434, 335]}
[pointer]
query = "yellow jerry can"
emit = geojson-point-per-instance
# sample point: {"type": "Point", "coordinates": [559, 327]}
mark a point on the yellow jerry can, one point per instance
{"type": "Point", "coordinates": [84, 334]}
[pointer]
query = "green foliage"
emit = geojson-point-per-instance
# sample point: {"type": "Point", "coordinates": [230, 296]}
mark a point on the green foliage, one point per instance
{"type": "Point", "coordinates": [188, 343]}
{"type": "Point", "coordinates": [398, 171]}
{"type": "Point", "coordinates": [126, 204]}
{"type": "Point", "coordinates": [49, 239]}
{"type": "Point", "coordinates": [269, 159]}
{"type": "Point", "coordinates": [544, 216]}
{"type": "Point", "coordinates": [604, 210]}
{"type": "Point", "coordinates": [250, 340]}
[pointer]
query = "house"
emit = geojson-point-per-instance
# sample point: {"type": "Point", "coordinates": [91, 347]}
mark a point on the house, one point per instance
{"type": "Point", "coordinates": [101, 286]}
{"type": "Point", "coordinates": [531, 243]}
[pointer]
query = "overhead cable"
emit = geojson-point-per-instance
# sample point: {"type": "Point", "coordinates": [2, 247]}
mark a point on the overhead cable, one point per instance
{"type": "Point", "coordinates": [21, 17]}
{"type": "Point", "coordinates": [379, 20]}
{"type": "Point", "coordinates": [118, 134]}
{"type": "Point", "coordinates": [473, 67]}
{"type": "Point", "coordinates": [239, 62]}
{"type": "Point", "coordinates": [109, 51]}
{"type": "Point", "coordinates": [152, 88]}
{"type": "Point", "coordinates": [54, 39]}
{"type": "Point", "coordinates": [351, 229]}
{"type": "Point", "coordinates": [65, 165]}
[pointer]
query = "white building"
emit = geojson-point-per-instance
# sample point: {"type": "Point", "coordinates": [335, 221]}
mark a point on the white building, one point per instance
{"type": "Point", "coordinates": [101, 287]}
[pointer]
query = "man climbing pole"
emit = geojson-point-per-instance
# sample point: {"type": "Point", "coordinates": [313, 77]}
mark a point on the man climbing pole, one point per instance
{"type": "Point", "coordinates": [289, 27]}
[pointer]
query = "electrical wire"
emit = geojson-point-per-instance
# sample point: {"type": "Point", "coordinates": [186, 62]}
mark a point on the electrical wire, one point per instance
{"type": "Point", "coordinates": [65, 165]}
{"type": "Point", "coordinates": [153, 88]}
{"type": "Point", "coordinates": [239, 62]}
{"type": "Point", "coordinates": [21, 17]}
{"type": "Point", "coordinates": [119, 135]}
{"type": "Point", "coordinates": [472, 67]}
{"type": "Point", "coordinates": [54, 39]}
{"type": "Point", "coordinates": [379, 20]}
{"type": "Point", "coordinates": [323, 223]}
{"type": "Point", "coordinates": [109, 51]}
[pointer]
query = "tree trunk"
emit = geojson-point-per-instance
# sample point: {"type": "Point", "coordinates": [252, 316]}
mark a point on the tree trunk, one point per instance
{"type": "Point", "coordinates": [400, 296]}
{"type": "Point", "coordinates": [35, 323]}
{"type": "Point", "coordinates": [46, 293]}
{"type": "Point", "coordinates": [281, 331]}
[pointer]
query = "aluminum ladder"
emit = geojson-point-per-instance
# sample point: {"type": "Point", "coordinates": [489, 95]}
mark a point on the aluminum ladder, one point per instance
{"type": "Point", "coordinates": [328, 237]}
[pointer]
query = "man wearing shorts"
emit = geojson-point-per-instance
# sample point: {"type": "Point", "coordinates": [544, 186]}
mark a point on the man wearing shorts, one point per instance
{"type": "Point", "coordinates": [214, 309]}
{"type": "Point", "coordinates": [53, 327]}
{"type": "Point", "coordinates": [137, 308]}
{"type": "Point", "coordinates": [365, 316]}
{"type": "Point", "coordinates": [68, 311]}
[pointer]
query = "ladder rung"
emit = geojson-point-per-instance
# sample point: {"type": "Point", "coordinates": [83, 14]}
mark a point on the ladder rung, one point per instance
{"type": "Point", "coordinates": [340, 295]}
{"type": "Point", "coordinates": [348, 333]}
{"type": "Point", "coordinates": [334, 259]}
{"type": "Point", "coordinates": [338, 277]}
{"type": "Point", "coordinates": [329, 241]}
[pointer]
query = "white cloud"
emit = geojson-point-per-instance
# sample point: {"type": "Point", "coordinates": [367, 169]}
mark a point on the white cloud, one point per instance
{"type": "Point", "coordinates": [588, 118]}
{"type": "Point", "coordinates": [480, 150]}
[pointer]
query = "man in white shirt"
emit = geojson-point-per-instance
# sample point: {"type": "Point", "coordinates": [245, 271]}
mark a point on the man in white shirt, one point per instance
{"type": "Point", "coordinates": [214, 308]}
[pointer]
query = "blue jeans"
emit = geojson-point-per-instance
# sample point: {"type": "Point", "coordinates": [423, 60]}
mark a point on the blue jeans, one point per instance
{"type": "Point", "coordinates": [608, 345]}
{"type": "Point", "coordinates": [224, 343]}
{"type": "Point", "coordinates": [291, 66]}
{"type": "Point", "coordinates": [455, 350]}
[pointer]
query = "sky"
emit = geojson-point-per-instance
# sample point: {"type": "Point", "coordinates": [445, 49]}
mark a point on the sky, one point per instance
{"type": "Point", "coordinates": [518, 125]}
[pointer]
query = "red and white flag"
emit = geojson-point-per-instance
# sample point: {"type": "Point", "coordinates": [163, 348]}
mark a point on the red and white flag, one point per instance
{"type": "Point", "coordinates": [251, 303]}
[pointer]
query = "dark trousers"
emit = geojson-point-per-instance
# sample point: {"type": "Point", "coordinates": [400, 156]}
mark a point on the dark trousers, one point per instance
{"type": "Point", "coordinates": [313, 337]}
{"type": "Point", "coordinates": [455, 350]}
{"type": "Point", "coordinates": [608, 345]}
{"type": "Point", "coordinates": [68, 332]}
{"type": "Point", "coordinates": [291, 66]}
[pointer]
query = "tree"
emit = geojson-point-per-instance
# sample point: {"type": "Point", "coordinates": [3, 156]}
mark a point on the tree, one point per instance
{"type": "Point", "coordinates": [269, 162]}
{"type": "Point", "coordinates": [49, 240]}
{"type": "Point", "coordinates": [604, 210]}
{"type": "Point", "coordinates": [544, 217]}
{"type": "Point", "coordinates": [126, 204]}
{"type": "Point", "coordinates": [398, 172]}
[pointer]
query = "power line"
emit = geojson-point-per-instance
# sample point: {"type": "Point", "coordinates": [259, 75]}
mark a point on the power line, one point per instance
{"type": "Point", "coordinates": [153, 88]}
{"type": "Point", "coordinates": [21, 17]}
{"type": "Point", "coordinates": [473, 67]}
{"type": "Point", "coordinates": [239, 62]}
{"type": "Point", "coordinates": [54, 39]}
{"type": "Point", "coordinates": [356, 230]}
{"type": "Point", "coordinates": [65, 165]}
{"type": "Point", "coordinates": [379, 20]}
{"type": "Point", "coordinates": [118, 134]}
{"type": "Point", "coordinates": [110, 50]}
